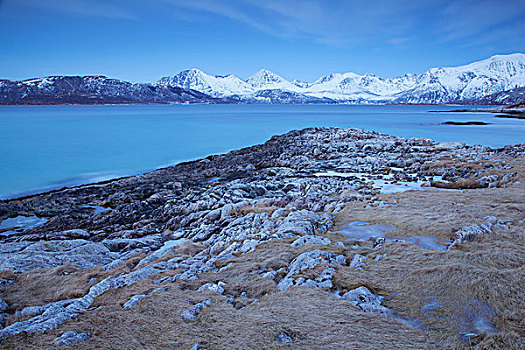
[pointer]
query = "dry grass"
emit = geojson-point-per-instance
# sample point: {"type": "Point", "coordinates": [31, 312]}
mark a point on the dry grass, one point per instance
{"type": "Point", "coordinates": [491, 269]}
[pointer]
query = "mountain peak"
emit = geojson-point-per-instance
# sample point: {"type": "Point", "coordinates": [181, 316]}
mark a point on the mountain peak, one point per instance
{"type": "Point", "coordinates": [264, 77]}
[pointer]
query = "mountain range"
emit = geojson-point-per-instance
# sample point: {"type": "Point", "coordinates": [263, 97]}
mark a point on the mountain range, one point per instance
{"type": "Point", "coordinates": [497, 80]}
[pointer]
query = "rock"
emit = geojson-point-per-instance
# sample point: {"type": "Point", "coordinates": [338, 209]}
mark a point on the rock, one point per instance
{"type": "Point", "coordinates": [213, 215]}
{"type": "Point", "coordinates": [269, 275]}
{"type": "Point", "coordinates": [485, 181]}
{"type": "Point", "coordinates": [134, 300]}
{"type": "Point", "coordinates": [3, 305]}
{"type": "Point", "coordinates": [214, 287]}
{"type": "Point", "coordinates": [278, 213]}
{"type": "Point", "coordinates": [5, 282]}
{"type": "Point", "coordinates": [379, 241]}
{"type": "Point", "coordinates": [381, 256]}
{"type": "Point", "coordinates": [71, 337]}
{"type": "Point", "coordinates": [298, 223]}
{"type": "Point", "coordinates": [365, 300]}
{"type": "Point", "coordinates": [48, 254]}
{"type": "Point", "coordinates": [310, 240]}
{"type": "Point", "coordinates": [468, 234]}
{"type": "Point", "coordinates": [311, 259]}
{"type": "Point", "coordinates": [57, 313]}
{"type": "Point", "coordinates": [69, 234]}
{"type": "Point", "coordinates": [284, 338]}
{"type": "Point", "coordinates": [358, 261]}
{"type": "Point", "coordinates": [192, 313]}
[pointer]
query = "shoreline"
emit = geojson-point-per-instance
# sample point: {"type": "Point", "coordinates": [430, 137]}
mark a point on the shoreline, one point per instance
{"type": "Point", "coordinates": [294, 222]}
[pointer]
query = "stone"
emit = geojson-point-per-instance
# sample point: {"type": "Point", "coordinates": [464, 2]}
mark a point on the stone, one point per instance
{"type": "Point", "coordinates": [3, 305]}
{"type": "Point", "coordinates": [55, 314]}
{"type": "Point", "coordinates": [269, 275]}
{"type": "Point", "coordinates": [284, 338]}
{"type": "Point", "coordinates": [134, 300]}
{"type": "Point", "coordinates": [192, 313]}
{"type": "Point", "coordinates": [358, 261]}
{"type": "Point", "coordinates": [310, 240]}
{"type": "Point", "coordinates": [311, 259]}
{"type": "Point", "coordinates": [365, 300]}
{"type": "Point", "coordinates": [71, 337]}
{"type": "Point", "coordinates": [48, 254]}
{"type": "Point", "coordinates": [214, 287]}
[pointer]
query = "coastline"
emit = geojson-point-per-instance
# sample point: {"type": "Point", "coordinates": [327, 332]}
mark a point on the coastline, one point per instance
{"type": "Point", "coordinates": [266, 224]}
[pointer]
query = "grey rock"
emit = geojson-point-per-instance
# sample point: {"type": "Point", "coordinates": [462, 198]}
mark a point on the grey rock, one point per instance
{"type": "Point", "coordinates": [284, 338]}
{"type": "Point", "coordinates": [3, 305]}
{"type": "Point", "coordinates": [57, 313]}
{"type": "Point", "coordinates": [278, 213]}
{"type": "Point", "coordinates": [48, 254]}
{"type": "Point", "coordinates": [71, 337]}
{"type": "Point", "coordinates": [310, 240]}
{"type": "Point", "coordinates": [358, 261]}
{"type": "Point", "coordinates": [5, 282]}
{"type": "Point", "coordinates": [214, 287]}
{"type": "Point", "coordinates": [134, 300]}
{"type": "Point", "coordinates": [311, 259]}
{"type": "Point", "coordinates": [192, 313]}
{"type": "Point", "coordinates": [269, 275]}
{"type": "Point", "coordinates": [468, 234]}
{"type": "Point", "coordinates": [365, 300]}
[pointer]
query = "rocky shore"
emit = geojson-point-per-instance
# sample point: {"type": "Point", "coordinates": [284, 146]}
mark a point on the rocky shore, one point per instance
{"type": "Point", "coordinates": [319, 238]}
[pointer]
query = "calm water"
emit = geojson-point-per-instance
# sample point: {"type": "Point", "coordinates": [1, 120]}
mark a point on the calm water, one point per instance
{"type": "Point", "coordinates": [46, 147]}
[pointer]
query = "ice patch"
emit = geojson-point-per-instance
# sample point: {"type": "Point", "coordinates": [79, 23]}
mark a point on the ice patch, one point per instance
{"type": "Point", "coordinates": [363, 230]}
{"type": "Point", "coordinates": [20, 223]}
{"type": "Point", "coordinates": [384, 183]}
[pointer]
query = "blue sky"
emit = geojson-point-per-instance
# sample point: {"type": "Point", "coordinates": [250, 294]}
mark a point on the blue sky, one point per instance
{"type": "Point", "coordinates": [145, 40]}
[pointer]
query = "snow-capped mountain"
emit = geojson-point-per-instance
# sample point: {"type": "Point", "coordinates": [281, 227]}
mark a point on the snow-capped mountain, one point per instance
{"type": "Point", "coordinates": [470, 82]}
{"type": "Point", "coordinates": [213, 85]}
{"type": "Point", "coordinates": [499, 79]}
{"type": "Point", "coordinates": [93, 90]}
{"type": "Point", "coordinates": [463, 84]}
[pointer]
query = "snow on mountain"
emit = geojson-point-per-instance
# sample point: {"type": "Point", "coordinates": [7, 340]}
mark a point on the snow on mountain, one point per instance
{"type": "Point", "coordinates": [93, 90]}
{"type": "Point", "coordinates": [437, 85]}
{"type": "Point", "coordinates": [213, 85]}
{"type": "Point", "coordinates": [468, 82]}
{"type": "Point", "coordinates": [264, 80]}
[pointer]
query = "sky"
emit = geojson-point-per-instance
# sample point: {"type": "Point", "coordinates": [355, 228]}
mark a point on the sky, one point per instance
{"type": "Point", "coordinates": [144, 40]}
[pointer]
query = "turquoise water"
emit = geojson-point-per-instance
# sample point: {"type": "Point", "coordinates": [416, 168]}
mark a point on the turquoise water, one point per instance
{"type": "Point", "coordinates": [47, 147]}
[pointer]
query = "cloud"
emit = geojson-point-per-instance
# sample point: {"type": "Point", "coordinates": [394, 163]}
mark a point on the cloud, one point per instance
{"type": "Point", "coordinates": [94, 8]}
{"type": "Point", "coordinates": [360, 22]}
{"type": "Point", "coordinates": [328, 22]}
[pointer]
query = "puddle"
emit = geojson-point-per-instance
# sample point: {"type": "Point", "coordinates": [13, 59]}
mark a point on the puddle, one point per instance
{"type": "Point", "coordinates": [215, 179]}
{"type": "Point", "coordinates": [432, 305]}
{"type": "Point", "coordinates": [409, 321]}
{"type": "Point", "coordinates": [98, 209]}
{"type": "Point", "coordinates": [20, 223]}
{"type": "Point", "coordinates": [428, 242]}
{"type": "Point", "coordinates": [476, 320]}
{"type": "Point", "coordinates": [363, 230]}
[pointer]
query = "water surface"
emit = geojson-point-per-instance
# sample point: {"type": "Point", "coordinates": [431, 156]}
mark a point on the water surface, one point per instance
{"type": "Point", "coordinates": [47, 147]}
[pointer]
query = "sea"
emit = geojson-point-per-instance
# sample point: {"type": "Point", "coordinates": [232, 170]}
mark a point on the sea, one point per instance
{"type": "Point", "coordinates": [49, 147]}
